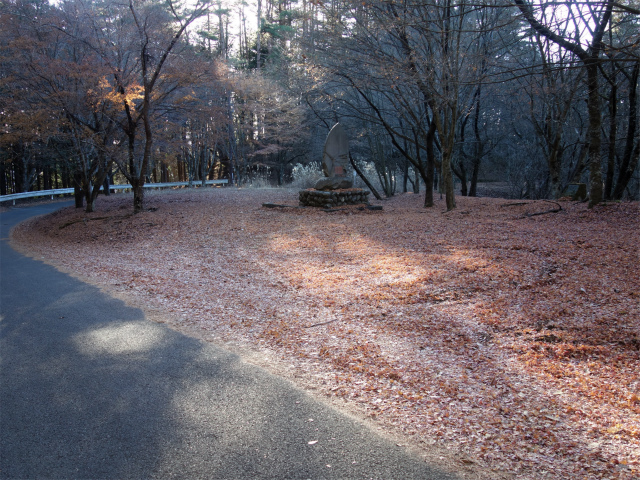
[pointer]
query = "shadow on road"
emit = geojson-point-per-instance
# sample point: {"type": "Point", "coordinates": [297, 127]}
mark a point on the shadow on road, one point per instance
{"type": "Point", "coordinates": [91, 389]}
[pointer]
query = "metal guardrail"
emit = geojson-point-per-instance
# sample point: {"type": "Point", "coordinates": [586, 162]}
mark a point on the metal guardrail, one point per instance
{"type": "Point", "coordinates": [66, 191]}
{"type": "Point", "coordinates": [39, 193]}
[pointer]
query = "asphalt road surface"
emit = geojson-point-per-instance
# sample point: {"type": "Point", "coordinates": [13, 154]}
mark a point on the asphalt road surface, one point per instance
{"type": "Point", "coordinates": [89, 388]}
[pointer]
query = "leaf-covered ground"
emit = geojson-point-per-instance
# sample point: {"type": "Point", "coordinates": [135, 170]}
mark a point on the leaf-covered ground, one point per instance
{"type": "Point", "coordinates": [511, 340]}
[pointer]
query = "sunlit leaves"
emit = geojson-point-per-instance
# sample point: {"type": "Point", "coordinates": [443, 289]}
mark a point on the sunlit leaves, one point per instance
{"type": "Point", "coordinates": [106, 91]}
{"type": "Point", "coordinates": [511, 340]}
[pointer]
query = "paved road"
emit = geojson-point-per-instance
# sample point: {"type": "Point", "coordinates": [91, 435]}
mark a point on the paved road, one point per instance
{"type": "Point", "coordinates": [89, 388]}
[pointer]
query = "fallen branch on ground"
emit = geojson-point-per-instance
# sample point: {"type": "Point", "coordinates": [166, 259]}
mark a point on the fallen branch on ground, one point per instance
{"type": "Point", "coordinates": [366, 207]}
{"type": "Point", "coordinates": [323, 323]}
{"type": "Point", "coordinates": [553, 210]}
{"type": "Point", "coordinates": [277, 205]}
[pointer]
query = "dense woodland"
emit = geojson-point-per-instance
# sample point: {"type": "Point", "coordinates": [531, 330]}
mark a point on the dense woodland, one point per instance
{"type": "Point", "coordinates": [434, 94]}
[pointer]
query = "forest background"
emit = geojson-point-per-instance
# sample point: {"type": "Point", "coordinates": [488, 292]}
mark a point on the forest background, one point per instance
{"type": "Point", "coordinates": [435, 93]}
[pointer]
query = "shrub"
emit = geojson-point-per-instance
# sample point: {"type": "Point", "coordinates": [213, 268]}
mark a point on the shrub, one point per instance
{"type": "Point", "coordinates": [305, 176]}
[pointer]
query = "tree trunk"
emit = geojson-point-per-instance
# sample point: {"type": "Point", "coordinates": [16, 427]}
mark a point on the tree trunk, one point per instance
{"type": "Point", "coordinates": [203, 167]}
{"type": "Point", "coordinates": [90, 203]}
{"type": "Point", "coordinates": [613, 127]}
{"type": "Point", "coordinates": [138, 195]}
{"type": "Point", "coordinates": [46, 177]}
{"type": "Point", "coordinates": [259, 37]}
{"type": "Point", "coordinates": [164, 173]}
{"type": "Point", "coordinates": [91, 189]}
{"type": "Point", "coordinates": [3, 179]}
{"type": "Point", "coordinates": [575, 174]}
{"type": "Point", "coordinates": [364, 178]}
{"type": "Point", "coordinates": [138, 183]}
{"type": "Point", "coordinates": [447, 174]}
{"type": "Point", "coordinates": [429, 177]}
{"type": "Point", "coordinates": [479, 145]}
{"type": "Point", "coordinates": [405, 175]}
{"type": "Point", "coordinates": [630, 156]}
{"type": "Point", "coordinates": [555, 165]}
{"type": "Point", "coordinates": [594, 134]}
{"type": "Point", "coordinates": [66, 180]}
{"type": "Point", "coordinates": [473, 190]}
{"type": "Point", "coordinates": [17, 175]}
{"type": "Point", "coordinates": [461, 173]}
{"type": "Point", "coordinates": [447, 181]}
{"type": "Point", "coordinates": [78, 194]}
{"type": "Point", "coordinates": [591, 61]}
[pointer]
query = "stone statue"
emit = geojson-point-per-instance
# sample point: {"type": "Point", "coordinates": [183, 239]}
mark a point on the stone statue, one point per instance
{"type": "Point", "coordinates": [335, 158]}
{"type": "Point", "coordinates": [336, 188]}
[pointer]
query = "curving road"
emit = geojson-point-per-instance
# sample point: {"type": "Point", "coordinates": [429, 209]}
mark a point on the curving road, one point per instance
{"type": "Point", "coordinates": [91, 389]}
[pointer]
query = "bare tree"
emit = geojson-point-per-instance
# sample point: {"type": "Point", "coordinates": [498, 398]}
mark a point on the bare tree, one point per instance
{"type": "Point", "coordinates": [587, 46]}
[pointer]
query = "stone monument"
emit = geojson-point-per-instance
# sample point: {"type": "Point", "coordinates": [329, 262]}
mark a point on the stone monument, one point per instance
{"type": "Point", "coordinates": [336, 188]}
{"type": "Point", "coordinates": [335, 158]}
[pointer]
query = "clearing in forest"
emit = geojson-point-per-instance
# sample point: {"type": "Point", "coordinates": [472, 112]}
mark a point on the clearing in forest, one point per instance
{"type": "Point", "coordinates": [511, 339]}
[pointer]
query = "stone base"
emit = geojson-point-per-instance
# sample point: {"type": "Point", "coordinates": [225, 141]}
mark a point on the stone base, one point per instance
{"type": "Point", "coordinates": [333, 183]}
{"type": "Point", "coordinates": [333, 198]}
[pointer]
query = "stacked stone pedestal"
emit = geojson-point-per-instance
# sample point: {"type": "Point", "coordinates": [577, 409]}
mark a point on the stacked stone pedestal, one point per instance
{"type": "Point", "coordinates": [333, 198]}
